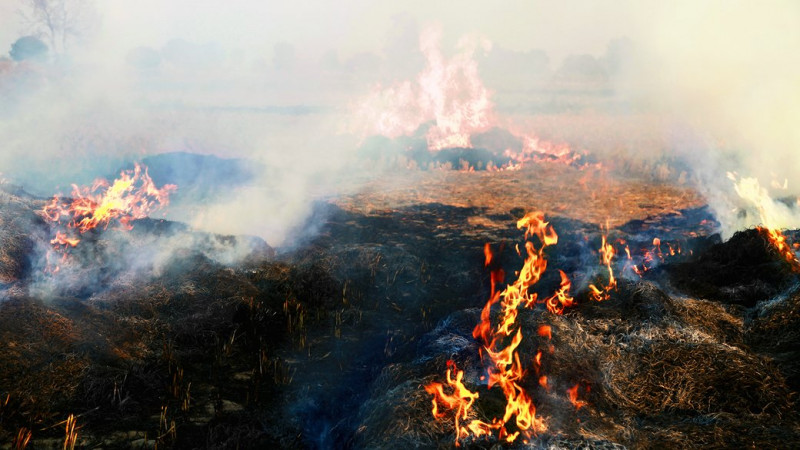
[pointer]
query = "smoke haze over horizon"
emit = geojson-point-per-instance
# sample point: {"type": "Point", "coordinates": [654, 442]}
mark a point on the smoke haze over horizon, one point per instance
{"type": "Point", "coordinates": [273, 83]}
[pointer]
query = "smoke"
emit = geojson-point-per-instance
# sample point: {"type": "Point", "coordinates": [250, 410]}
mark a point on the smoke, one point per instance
{"type": "Point", "coordinates": [270, 87]}
{"type": "Point", "coordinates": [729, 72]}
{"type": "Point", "coordinates": [94, 111]}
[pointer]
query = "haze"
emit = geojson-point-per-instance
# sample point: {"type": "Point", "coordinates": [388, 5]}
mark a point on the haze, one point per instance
{"type": "Point", "coordinates": [273, 82]}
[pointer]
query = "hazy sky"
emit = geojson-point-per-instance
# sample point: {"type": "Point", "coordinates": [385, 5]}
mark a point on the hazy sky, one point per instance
{"type": "Point", "coordinates": [352, 26]}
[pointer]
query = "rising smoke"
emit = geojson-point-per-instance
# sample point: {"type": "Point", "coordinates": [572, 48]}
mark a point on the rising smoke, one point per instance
{"type": "Point", "coordinates": [721, 77]}
{"type": "Point", "coordinates": [729, 71]}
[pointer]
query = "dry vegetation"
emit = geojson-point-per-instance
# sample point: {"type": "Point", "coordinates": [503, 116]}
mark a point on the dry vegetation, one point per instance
{"type": "Point", "coordinates": [589, 194]}
{"type": "Point", "coordinates": [328, 345]}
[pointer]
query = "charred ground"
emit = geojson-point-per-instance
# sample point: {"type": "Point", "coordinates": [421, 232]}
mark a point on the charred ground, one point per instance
{"type": "Point", "coordinates": [328, 344]}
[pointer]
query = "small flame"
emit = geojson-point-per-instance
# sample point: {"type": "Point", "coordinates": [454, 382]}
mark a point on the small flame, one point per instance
{"type": "Point", "coordinates": [778, 241]}
{"type": "Point", "coordinates": [460, 400]}
{"type": "Point", "coordinates": [772, 215]}
{"type": "Point", "coordinates": [607, 253]}
{"type": "Point", "coordinates": [62, 239]}
{"type": "Point", "coordinates": [130, 197]}
{"type": "Point", "coordinates": [572, 394]}
{"type": "Point", "coordinates": [545, 331]}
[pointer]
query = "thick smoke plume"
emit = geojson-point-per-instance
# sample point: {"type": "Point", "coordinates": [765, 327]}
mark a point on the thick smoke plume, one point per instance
{"type": "Point", "coordinates": [719, 77]}
{"type": "Point", "coordinates": [729, 70]}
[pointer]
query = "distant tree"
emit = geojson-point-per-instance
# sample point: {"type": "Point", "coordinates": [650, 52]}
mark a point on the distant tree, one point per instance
{"type": "Point", "coordinates": [28, 47]}
{"type": "Point", "coordinates": [57, 21]}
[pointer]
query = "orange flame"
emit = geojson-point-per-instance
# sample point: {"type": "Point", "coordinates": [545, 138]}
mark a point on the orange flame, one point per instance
{"type": "Point", "coordinates": [545, 331]}
{"type": "Point", "coordinates": [607, 253]}
{"type": "Point", "coordinates": [561, 299]}
{"type": "Point", "coordinates": [506, 370]}
{"type": "Point", "coordinates": [62, 239]}
{"type": "Point", "coordinates": [778, 240]}
{"type": "Point", "coordinates": [132, 196]}
{"type": "Point", "coordinates": [460, 400]}
{"type": "Point", "coordinates": [572, 394]}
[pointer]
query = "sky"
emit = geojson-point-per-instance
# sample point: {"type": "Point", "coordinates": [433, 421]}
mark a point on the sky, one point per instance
{"type": "Point", "coordinates": [351, 26]}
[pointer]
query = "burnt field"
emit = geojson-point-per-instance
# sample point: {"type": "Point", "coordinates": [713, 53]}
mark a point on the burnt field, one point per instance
{"type": "Point", "coordinates": [211, 341]}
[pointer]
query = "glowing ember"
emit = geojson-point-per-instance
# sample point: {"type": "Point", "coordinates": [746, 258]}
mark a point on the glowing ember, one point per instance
{"type": "Point", "coordinates": [501, 342]}
{"type": "Point", "coordinates": [130, 197]}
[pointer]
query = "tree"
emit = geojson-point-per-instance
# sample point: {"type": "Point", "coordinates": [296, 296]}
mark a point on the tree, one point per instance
{"type": "Point", "coordinates": [57, 21]}
{"type": "Point", "coordinates": [28, 47]}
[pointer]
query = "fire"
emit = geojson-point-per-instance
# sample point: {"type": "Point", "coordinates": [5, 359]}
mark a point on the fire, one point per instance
{"type": "Point", "coordinates": [132, 196]}
{"type": "Point", "coordinates": [778, 240]}
{"type": "Point", "coordinates": [572, 394]}
{"type": "Point", "coordinates": [607, 253]}
{"type": "Point", "coordinates": [62, 239]}
{"type": "Point", "coordinates": [448, 92]}
{"type": "Point", "coordinates": [449, 98]}
{"type": "Point", "coordinates": [537, 150]}
{"type": "Point", "coordinates": [561, 299]}
{"type": "Point", "coordinates": [460, 400]}
{"type": "Point", "coordinates": [771, 214]}
{"type": "Point", "coordinates": [501, 339]}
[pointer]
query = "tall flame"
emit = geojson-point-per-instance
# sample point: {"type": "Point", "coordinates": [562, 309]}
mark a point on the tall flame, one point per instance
{"type": "Point", "coordinates": [450, 96]}
{"type": "Point", "coordinates": [501, 342]}
{"type": "Point", "coordinates": [448, 92]}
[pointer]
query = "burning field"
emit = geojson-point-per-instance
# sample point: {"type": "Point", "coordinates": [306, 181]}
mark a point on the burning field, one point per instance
{"type": "Point", "coordinates": [445, 243]}
{"type": "Point", "coordinates": [417, 316]}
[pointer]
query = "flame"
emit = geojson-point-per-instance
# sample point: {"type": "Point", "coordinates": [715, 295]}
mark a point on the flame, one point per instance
{"type": "Point", "coordinates": [448, 92]}
{"type": "Point", "coordinates": [778, 241]}
{"type": "Point", "coordinates": [448, 97]}
{"type": "Point", "coordinates": [460, 400]}
{"type": "Point", "coordinates": [543, 381]}
{"type": "Point", "coordinates": [537, 150]}
{"type": "Point", "coordinates": [561, 299]}
{"type": "Point", "coordinates": [572, 394]}
{"type": "Point", "coordinates": [545, 331]}
{"type": "Point", "coordinates": [62, 239]}
{"type": "Point", "coordinates": [772, 215]}
{"type": "Point", "coordinates": [501, 343]}
{"type": "Point", "coordinates": [132, 196]}
{"type": "Point", "coordinates": [607, 253]}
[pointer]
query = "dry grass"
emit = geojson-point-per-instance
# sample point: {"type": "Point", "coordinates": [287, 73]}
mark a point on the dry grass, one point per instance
{"type": "Point", "coordinates": [343, 333]}
{"type": "Point", "coordinates": [588, 195]}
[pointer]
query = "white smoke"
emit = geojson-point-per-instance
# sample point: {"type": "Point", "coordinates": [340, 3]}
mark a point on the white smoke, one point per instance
{"type": "Point", "coordinates": [730, 70]}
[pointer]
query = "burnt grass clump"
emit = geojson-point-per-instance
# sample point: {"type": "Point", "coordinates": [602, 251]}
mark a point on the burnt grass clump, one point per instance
{"type": "Point", "coordinates": [223, 342]}
{"type": "Point", "coordinates": [744, 270]}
